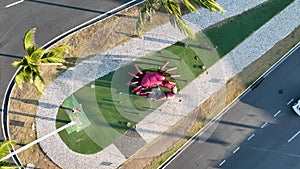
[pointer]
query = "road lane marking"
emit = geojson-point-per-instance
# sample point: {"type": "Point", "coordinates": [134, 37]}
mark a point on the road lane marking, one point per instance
{"type": "Point", "coordinates": [200, 157]}
{"type": "Point", "coordinates": [295, 135]}
{"type": "Point", "coordinates": [264, 125]}
{"type": "Point", "coordinates": [250, 137]}
{"type": "Point", "coordinates": [279, 111]}
{"type": "Point", "coordinates": [13, 4]}
{"type": "Point", "coordinates": [237, 149]}
{"type": "Point", "coordinates": [290, 102]}
{"type": "Point", "coordinates": [222, 163]}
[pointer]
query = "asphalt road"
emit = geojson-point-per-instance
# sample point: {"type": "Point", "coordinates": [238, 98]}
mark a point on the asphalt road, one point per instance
{"type": "Point", "coordinates": [51, 17]}
{"type": "Point", "coordinates": [258, 131]}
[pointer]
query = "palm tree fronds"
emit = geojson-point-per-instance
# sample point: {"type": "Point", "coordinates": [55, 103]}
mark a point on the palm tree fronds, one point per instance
{"type": "Point", "coordinates": [27, 74]}
{"type": "Point", "coordinates": [35, 57]}
{"type": "Point", "coordinates": [189, 5]}
{"type": "Point", "coordinates": [182, 26]}
{"type": "Point", "coordinates": [29, 41]}
{"type": "Point", "coordinates": [174, 9]}
{"type": "Point", "coordinates": [6, 165]}
{"type": "Point", "coordinates": [141, 20]}
{"type": "Point", "coordinates": [212, 5]}
{"type": "Point", "coordinates": [19, 79]}
{"type": "Point", "coordinates": [165, 4]}
{"type": "Point", "coordinates": [5, 147]}
{"type": "Point", "coordinates": [52, 61]}
{"type": "Point", "coordinates": [55, 55]}
{"type": "Point", "coordinates": [38, 83]}
{"type": "Point", "coordinates": [17, 63]}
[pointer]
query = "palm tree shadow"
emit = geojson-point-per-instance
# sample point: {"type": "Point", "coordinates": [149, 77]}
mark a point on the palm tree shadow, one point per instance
{"type": "Point", "coordinates": [11, 56]}
{"type": "Point", "coordinates": [66, 6]}
{"type": "Point", "coordinates": [69, 62]}
{"type": "Point", "coordinates": [35, 102]}
{"type": "Point", "coordinates": [40, 117]}
{"type": "Point", "coordinates": [29, 101]}
{"type": "Point", "coordinates": [127, 34]}
{"type": "Point", "coordinates": [19, 144]}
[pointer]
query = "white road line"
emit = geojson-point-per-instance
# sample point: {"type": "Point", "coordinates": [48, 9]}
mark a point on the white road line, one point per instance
{"type": "Point", "coordinates": [13, 4]}
{"type": "Point", "coordinates": [237, 149]}
{"type": "Point", "coordinates": [222, 162]}
{"type": "Point", "coordinates": [250, 137]}
{"type": "Point", "coordinates": [200, 157]}
{"type": "Point", "coordinates": [290, 101]}
{"type": "Point", "coordinates": [279, 111]}
{"type": "Point", "coordinates": [264, 125]}
{"type": "Point", "coordinates": [293, 136]}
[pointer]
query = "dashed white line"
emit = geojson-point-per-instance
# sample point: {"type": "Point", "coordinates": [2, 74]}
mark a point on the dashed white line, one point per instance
{"type": "Point", "coordinates": [290, 102]}
{"type": "Point", "coordinates": [279, 111]}
{"type": "Point", "coordinates": [264, 125]}
{"type": "Point", "coordinates": [13, 4]}
{"type": "Point", "coordinates": [237, 149]}
{"type": "Point", "coordinates": [295, 135]}
{"type": "Point", "coordinates": [222, 162]}
{"type": "Point", "coordinates": [250, 137]}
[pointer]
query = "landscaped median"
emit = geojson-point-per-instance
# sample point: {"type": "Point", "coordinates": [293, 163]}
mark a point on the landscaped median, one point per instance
{"type": "Point", "coordinates": [115, 107]}
{"type": "Point", "coordinates": [104, 88]}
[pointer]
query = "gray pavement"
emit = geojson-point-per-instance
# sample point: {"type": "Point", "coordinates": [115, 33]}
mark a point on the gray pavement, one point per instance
{"type": "Point", "coordinates": [173, 110]}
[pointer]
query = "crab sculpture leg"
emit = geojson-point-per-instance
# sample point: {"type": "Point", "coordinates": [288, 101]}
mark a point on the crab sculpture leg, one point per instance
{"type": "Point", "coordinates": [138, 90]}
{"type": "Point", "coordinates": [154, 79]}
{"type": "Point", "coordinates": [168, 70]}
{"type": "Point", "coordinates": [168, 84]}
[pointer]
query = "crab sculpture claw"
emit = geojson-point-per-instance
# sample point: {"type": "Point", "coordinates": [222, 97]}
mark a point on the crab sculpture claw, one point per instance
{"type": "Point", "coordinates": [146, 80]}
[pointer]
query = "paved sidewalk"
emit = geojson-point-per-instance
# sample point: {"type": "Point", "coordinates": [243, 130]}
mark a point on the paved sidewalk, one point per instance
{"type": "Point", "coordinates": [170, 112]}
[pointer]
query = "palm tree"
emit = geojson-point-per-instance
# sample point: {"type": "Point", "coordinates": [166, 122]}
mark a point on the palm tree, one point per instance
{"type": "Point", "coordinates": [173, 8]}
{"type": "Point", "coordinates": [35, 57]}
{"type": "Point", "coordinates": [5, 148]}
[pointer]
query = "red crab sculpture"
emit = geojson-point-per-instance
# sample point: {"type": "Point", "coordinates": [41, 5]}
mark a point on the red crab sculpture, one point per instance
{"type": "Point", "coordinates": [154, 79]}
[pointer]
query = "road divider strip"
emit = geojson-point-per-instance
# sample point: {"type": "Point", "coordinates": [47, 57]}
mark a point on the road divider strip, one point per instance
{"type": "Point", "coordinates": [222, 163]}
{"type": "Point", "coordinates": [236, 150]}
{"type": "Point", "coordinates": [250, 137]}
{"type": "Point", "coordinates": [288, 103]}
{"type": "Point", "coordinates": [13, 4]}
{"type": "Point", "coordinates": [264, 125]}
{"type": "Point", "coordinates": [279, 111]}
{"type": "Point", "coordinates": [295, 135]}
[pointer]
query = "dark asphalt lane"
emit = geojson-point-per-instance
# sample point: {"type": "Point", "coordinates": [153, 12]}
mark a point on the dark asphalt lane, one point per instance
{"type": "Point", "coordinates": [258, 131]}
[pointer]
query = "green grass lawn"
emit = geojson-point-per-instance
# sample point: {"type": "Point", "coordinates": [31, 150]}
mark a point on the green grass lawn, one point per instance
{"type": "Point", "coordinates": [112, 109]}
{"type": "Point", "coordinates": [79, 142]}
{"type": "Point", "coordinates": [238, 28]}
